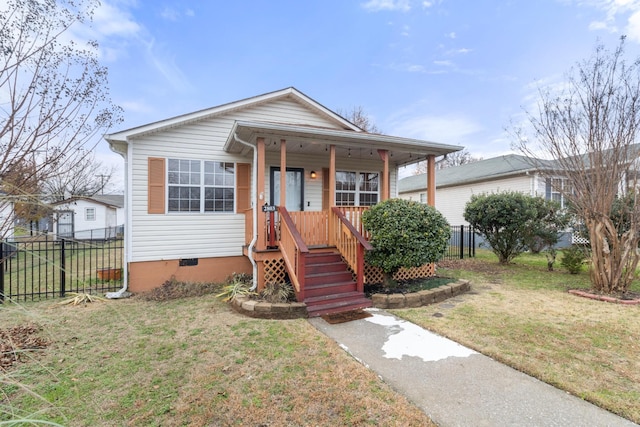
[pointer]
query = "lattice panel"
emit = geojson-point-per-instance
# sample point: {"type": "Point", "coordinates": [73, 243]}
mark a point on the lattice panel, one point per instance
{"type": "Point", "coordinates": [374, 275]}
{"type": "Point", "coordinates": [275, 271]}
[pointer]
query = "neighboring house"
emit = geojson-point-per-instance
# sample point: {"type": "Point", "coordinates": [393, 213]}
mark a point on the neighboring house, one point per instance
{"type": "Point", "coordinates": [197, 186]}
{"type": "Point", "coordinates": [455, 185]}
{"type": "Point", "coordinates": [6, 217]}
{"type": "Point", "coordinates": [85, 218]}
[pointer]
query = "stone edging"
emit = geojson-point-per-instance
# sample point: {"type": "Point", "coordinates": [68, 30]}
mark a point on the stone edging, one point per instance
{"type": "Point", "coordinates": [295, 310]}
{"type": "Point", "coordinates": [604, 297]}
{"type": "Point", "coordinates": [418, 299]}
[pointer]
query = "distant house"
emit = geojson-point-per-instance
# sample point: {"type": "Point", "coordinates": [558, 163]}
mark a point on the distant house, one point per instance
{"type": "Point", "coordinates": [273, 184]}
{"type": "Point", "coordinates": [95, 217]}
{"type": "Point", "coordinates": [6, 217]}
{"type": "Point", "coordinates": [455, 185]}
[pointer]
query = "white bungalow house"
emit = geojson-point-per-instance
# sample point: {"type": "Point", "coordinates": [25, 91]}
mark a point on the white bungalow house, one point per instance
{"type": "Point", "coordinates": [89, 218]}
{"type": "Point", "coordinates": [455, 185]}
{"type": "Point", "coordinates": [205, 196]}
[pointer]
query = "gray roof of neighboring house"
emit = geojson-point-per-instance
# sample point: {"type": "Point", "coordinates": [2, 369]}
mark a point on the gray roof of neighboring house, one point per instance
{"type": "Point", "coordinates": [482, 170]}
{"type": "Point", "coordinates": [116, 200]}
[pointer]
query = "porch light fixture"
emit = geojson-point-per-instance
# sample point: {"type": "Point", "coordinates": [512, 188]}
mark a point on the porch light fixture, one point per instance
{"type": "Point", "coordinates": [313, 175]}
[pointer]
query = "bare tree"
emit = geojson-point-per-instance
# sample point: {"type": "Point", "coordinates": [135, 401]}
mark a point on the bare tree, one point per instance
{"type": "Point", "coordinates": [589, 128]}
{"type": "Point", "coordinates": [452, 159]}
{"type": "Point", "coordinates": [360, 118]}
{"type": "Point", "coordinates": [87, 177]}
{"type": "Point", "coordinates": [53, 91]}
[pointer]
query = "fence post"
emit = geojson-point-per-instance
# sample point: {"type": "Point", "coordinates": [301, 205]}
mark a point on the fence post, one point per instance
{"type": "Point", "coordinates": [63, 267]}
{"type": "Point", "coordinates": [3, 268]}
{"type": "Point", "coordinates": [472, 238]}
{"type": "Point", "coordinates": [462, 242]}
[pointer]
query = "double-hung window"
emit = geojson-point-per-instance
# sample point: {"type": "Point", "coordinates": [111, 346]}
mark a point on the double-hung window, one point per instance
{"type": "Point", "coordinates": [357, 188]}
{"type": "Point", "coordinates": [556, 189]}
{"type": "Point", "coordinates": [200, 186]}
{"type": "Point", "coordinates": [90, 214]}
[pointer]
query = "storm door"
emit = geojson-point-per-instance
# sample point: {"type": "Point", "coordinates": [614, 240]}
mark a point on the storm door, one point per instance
{"type": "Point", "coordinates": [295, 188]}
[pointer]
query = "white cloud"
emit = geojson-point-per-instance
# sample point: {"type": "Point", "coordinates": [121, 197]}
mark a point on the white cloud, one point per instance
{"type": "Point", "coordinates": [170, 14]}
{"type": "Point", "coordinates": [379, 5]}
{"type": "Point", "coordinates": [619, 16]}
{"type": "Point", "coordinates": [451, 35]}
{"type": "Point", "coordinates": [111, 21]}
{"type": "Point", "coordinates": [447, 129]}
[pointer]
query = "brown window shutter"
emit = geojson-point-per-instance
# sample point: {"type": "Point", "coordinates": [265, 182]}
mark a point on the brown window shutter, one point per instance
{"type": "Point", "coordinates": [156, 185]}
{"type": "Point", "coordinates": [243, 187]}
{"type": "Point", "coordinates": [325, 189]}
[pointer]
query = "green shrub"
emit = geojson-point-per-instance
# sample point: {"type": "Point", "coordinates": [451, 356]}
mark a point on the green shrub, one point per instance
{"type": "Point", "coordinates": [512, 222]}
{"type": "Point", "coordinates": [572, 259]}
{"type": "Point", "coordinates": [406, 234]}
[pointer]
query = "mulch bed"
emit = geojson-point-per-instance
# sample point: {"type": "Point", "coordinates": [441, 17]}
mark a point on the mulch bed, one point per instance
{"type": "Point", "coordinates": [16, 341]}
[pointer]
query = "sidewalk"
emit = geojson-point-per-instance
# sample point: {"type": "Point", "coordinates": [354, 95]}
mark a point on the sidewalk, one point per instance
{"type": "Point", "coordinates": [454, 385]}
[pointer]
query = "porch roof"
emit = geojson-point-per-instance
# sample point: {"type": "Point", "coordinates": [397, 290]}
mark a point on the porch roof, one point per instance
{"type": "Point", "coordinates": [314, 140]}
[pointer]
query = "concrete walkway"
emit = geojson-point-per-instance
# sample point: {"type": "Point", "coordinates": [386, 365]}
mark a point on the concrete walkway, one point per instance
{"type": "Point", "coordinates": [454, 385]}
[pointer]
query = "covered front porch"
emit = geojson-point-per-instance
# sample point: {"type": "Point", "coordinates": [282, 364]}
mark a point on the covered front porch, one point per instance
{"type": "Point", "coordinates": [305, 225]}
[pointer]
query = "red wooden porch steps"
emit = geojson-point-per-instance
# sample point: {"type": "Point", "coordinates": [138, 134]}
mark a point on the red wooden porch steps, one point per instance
{"type": "Point", "coordinates": [329, 285]}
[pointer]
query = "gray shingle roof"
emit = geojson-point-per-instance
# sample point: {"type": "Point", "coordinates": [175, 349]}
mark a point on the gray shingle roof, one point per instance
{"type": "Point", "coordinates": [482, 170]}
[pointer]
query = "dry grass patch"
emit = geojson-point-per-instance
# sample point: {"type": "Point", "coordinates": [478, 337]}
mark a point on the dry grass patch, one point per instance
{"type": "Point", "coordinates": [190, 361]}
{"type": "Point", "coordinates": [586, 347]}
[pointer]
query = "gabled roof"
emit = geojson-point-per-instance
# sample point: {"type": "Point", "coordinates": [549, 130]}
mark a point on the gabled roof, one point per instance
{"type": "Point", "coordinates": [312, 140]}
{"type": "Point", "coordinates": [291, 93]}
{"type": "Point", "coordinates": [482, 170]}
{"type": "Point", "coordinates": [110, 200]}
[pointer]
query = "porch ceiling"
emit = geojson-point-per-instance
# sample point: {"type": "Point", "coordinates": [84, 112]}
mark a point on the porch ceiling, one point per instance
{"type": "Point", "coordinates": [315, 140]}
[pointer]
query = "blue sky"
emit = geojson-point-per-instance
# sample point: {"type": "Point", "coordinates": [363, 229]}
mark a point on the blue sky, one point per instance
{"type": "Point", "coordinates": [449, 71]}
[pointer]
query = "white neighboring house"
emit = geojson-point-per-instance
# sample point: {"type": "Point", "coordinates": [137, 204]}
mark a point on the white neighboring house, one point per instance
{"type": "Point", "coordinates": [456, 185]}
{"type": "Point", "coordinates": [6, 217]}
{"type": "Point", "coordinates": [84, 218]}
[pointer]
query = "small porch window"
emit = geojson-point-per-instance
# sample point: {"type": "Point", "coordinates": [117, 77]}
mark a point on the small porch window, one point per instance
{"type": "Point", "coordinates": [357, 188]}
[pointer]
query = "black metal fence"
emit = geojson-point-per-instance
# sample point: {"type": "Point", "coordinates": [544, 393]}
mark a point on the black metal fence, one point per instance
{"type": "Point", "coordinates": [462, 243]}
{"type": "Point", "coordinates": [41, 267]}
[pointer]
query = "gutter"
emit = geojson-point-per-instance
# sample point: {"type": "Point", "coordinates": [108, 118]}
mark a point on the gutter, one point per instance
{"type": "Point", "coordinates": [254, 183]}
{"type": "Point", "coordinates": [122, 292]}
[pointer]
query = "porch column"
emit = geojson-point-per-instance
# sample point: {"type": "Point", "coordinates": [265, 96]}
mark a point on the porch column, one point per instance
{"type": "Point", "coordinates": [283, 172]}
{"type": "Point", "coordinates": [332, 191]}
{"type": "Point", "coordinates": [385, 193]}
{"type": "Point", "coordinates": [431, 180]}
{"type": "Point", "coordinates": [261, 244]}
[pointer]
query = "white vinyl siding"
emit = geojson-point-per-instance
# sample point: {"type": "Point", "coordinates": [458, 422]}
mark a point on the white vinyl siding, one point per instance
{"type": "Point", "coordinates": [193, 235]}
{"type": "Point", "coordinates": [451, 201]}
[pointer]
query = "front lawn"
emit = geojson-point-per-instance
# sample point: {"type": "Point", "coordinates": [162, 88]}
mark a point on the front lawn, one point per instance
{"type": "Point", "coordinates": [522, 315]}
{"type": "Point", "coordinates": [189, 361]}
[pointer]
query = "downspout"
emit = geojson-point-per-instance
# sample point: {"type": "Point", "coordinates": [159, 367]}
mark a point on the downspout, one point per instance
{"type": "Point", "coordinates": [122, 292]}
{"type": "Point", "coordinates": [254, 202]}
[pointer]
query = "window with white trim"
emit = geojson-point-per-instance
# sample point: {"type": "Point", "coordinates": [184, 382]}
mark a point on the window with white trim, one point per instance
{"type": "Point", "coordinates": [423, 197]}
{"type": "Point", "coordinates": [357, 188]}
{"type": "Point", "coordinates": [556, 189]}
{"type": "Point", "coordinates": [89, 214]}
{"type": "Point", "coordinates": [200, 186]}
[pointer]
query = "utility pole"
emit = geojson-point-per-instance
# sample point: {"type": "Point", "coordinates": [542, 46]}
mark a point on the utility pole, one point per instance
{"type": "Point", "coordinates": [102, 177]}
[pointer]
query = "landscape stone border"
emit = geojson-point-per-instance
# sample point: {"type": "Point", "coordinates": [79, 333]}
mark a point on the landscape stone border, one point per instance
{"type": "Point", "coordinates": [296, 310]}
{"type": "Point", "coordinates": [418, 299]}
{"type": "Point", "coordinates": [606, 298]}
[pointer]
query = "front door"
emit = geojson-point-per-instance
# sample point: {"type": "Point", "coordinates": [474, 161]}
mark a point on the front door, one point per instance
{"type": "Point", "coordinates": [295, 188]}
